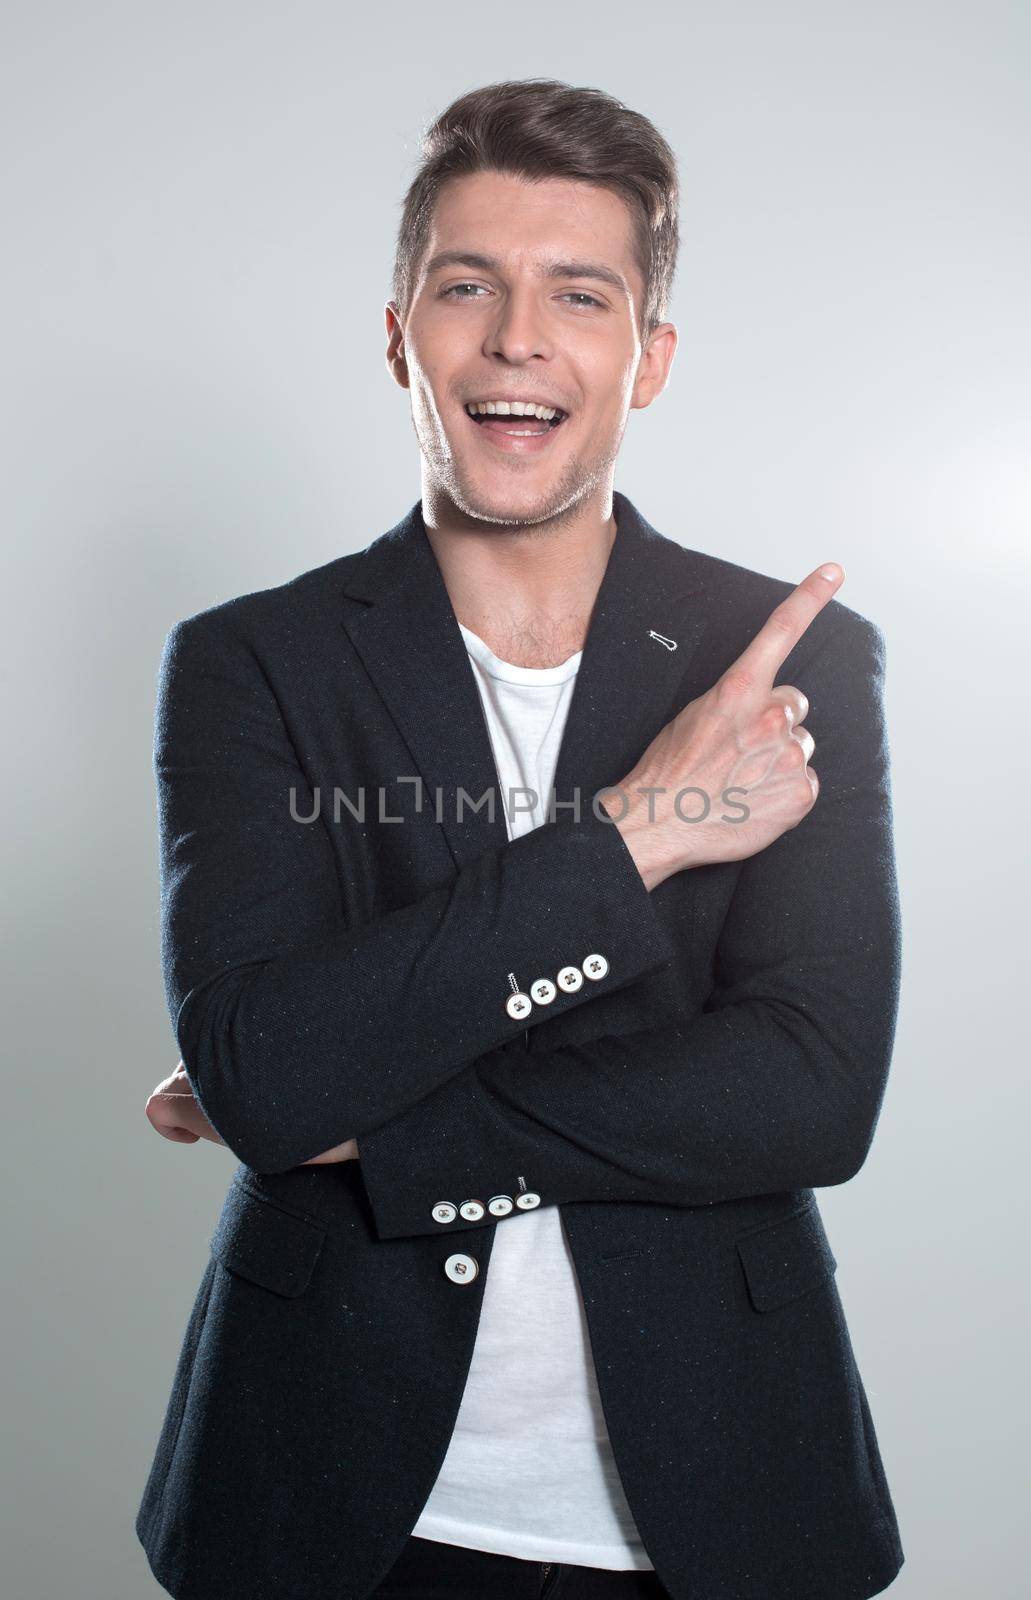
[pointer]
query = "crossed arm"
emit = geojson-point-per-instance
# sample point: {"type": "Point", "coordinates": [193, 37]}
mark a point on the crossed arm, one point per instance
{"type": "Point", "coordinates": [776, 1084]}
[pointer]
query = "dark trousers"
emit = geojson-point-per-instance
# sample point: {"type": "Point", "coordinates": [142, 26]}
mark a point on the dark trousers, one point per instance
{"type": "Point", "coordinates": [428, 1569]}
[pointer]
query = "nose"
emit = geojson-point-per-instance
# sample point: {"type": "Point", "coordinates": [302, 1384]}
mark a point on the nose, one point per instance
{"type": "Point", "coordinates": [517, 331]}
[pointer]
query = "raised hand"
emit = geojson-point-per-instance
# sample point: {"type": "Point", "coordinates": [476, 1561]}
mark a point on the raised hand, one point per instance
{"type": "Point", "coordinates": [743, 734]}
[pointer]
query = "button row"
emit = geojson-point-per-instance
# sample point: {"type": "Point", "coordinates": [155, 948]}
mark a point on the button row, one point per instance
{"type": "Point", "coordinates": [543, 991]}
{"type": "Point", "coordinates": [472, 1210]}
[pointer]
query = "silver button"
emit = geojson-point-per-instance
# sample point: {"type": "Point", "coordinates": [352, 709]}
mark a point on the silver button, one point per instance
{"type": "Point", "coordinates": [472, 1210]}
{"type": "Point", "coordinates": [461, 1268]}
{"type": "Point", "coordinates": [570, 979]}
{"type": "Point", "coordinates": [595, 967]}
{"type": "Point", "coordinates": [500, 1205]}
{"type": "Point", "coordinates": [444, 1211]}
{"type": "Point", "coordinates": [543, 991]}
{"type": "Point", "coordinates": [518, 1006]}
{"type": "Point", "coordinates": [527, 1200]}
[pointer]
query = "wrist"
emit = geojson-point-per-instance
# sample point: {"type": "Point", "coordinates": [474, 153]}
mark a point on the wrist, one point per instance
{"type": "Point", "coordinates": [644, 844]}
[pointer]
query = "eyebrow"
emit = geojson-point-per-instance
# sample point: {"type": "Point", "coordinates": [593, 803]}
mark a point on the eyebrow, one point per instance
{"type": "Point", "coordinates": [550, 269]}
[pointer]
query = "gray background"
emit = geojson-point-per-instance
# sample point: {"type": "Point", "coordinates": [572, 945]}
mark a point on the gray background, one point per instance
{"type": "Point", "coordinates": [199, 204]}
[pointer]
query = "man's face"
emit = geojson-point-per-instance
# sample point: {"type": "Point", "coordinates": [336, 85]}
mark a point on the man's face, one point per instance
{"type": "Point", "coordinates": [526, 292]}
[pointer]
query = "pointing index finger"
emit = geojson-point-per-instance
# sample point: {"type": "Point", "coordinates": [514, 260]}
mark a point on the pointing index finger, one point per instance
{"type": "Point", "coordinates": [761, 660]}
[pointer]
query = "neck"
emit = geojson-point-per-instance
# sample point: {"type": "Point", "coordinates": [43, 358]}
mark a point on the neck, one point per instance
{"type": "Point", "coordinates": [527, 589]}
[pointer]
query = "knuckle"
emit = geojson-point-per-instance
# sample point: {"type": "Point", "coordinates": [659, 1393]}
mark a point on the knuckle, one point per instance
{"type": "Point", "coordinates": [735, 681]}
{"type": "Point", "coordinates": [792, 759]}
{"type": "Point", "coordinates": [774, 718]}
{"type": "Point", "coordinates": [796, 698]}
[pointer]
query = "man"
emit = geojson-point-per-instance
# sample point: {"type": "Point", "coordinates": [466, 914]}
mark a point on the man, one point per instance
{"type": "Point", "coordinates": [611, 1028]}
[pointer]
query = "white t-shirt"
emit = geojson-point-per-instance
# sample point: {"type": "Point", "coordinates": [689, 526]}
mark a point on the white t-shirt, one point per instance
{"type": "Point", "coordinates": [529, 1471]}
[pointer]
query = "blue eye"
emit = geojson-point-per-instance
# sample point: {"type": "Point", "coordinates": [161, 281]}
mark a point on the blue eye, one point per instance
{"type": "Point", "coordinates": [581, 294]}
{"type": "Point", "coordinates": [456, 286]}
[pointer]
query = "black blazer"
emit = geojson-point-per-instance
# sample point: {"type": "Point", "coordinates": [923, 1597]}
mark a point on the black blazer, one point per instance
{"type": "Point", "coordinates": [330, 979]}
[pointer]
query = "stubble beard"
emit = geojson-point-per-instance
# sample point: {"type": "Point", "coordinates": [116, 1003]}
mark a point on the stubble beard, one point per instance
{"type": "Point", "coordinates": [558, 502]}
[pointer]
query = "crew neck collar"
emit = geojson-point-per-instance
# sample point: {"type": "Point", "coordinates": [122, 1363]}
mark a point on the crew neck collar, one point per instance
{"type": "Point", "coordinates": [509, 672]}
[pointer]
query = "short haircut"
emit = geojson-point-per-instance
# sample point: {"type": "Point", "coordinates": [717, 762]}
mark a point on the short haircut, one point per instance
{"type": "Point", "coordinates": [537, 128]}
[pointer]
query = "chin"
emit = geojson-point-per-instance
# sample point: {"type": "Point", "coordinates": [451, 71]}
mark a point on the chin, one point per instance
{"type": "Point", "coordinates": [506, 506]}
{"type": "Point", "coordinates": [521, 493]}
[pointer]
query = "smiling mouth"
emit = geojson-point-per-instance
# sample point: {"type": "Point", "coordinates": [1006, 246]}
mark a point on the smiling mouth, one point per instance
{"type": "Point", "coordinates": [513, 421]}
{"type": "Point", "coordinates": [513, 426]}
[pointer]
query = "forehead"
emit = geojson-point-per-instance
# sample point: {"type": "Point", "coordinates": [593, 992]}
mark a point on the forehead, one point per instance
{"type": "Point", "coordinates": [513, 219]}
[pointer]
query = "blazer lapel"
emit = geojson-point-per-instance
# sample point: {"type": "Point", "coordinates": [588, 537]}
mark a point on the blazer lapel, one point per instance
{"type": "Point", "coordinates": [630, 681]}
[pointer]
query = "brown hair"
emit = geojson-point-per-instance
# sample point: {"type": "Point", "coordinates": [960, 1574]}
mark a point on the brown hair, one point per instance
{"type": "Point", "coordinates": [540, 128]}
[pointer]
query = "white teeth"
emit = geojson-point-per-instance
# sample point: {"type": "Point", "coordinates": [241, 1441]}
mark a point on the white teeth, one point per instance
{"type": "Point", "coordinates": [513, 408]}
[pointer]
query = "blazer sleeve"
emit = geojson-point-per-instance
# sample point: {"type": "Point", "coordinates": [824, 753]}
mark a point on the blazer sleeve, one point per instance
{"type": "Point", "coordinates": [776, 1085]}
{"type": "Point", "coordinates": [297, 1029]}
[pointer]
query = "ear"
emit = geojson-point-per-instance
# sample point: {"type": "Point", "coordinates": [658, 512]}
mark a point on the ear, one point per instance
{"type": "Point", "coordinates": [653, 369]}
{"type": "Point", "coordinates": [397, 366]}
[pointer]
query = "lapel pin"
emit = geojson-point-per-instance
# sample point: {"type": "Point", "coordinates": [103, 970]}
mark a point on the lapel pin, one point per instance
{"type": "Point", "coordinates": [670, 644]}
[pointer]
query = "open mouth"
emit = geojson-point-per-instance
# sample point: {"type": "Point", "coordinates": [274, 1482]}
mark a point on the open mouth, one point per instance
{"type": "Point", "coordinates": [514, 420]}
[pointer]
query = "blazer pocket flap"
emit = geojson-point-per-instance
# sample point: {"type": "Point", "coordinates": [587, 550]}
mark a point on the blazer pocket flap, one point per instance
{"type": "Point", "coordinates": [256, 1238]}
{"type": "Point", "coordinates": [783, 1260]}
